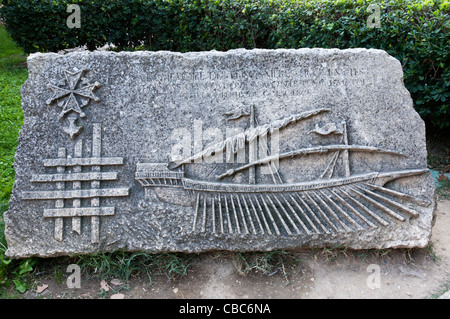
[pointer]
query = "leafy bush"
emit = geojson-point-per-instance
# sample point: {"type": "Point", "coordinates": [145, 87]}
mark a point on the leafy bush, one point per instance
{"type": "Point", "coordinates": [415, 32]}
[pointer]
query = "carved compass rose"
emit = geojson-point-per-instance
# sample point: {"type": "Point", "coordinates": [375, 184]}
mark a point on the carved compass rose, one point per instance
{"type": "Point", "coordinates": [76, 94]}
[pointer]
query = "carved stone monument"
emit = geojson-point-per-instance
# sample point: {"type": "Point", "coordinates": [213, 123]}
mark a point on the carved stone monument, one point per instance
{"type": "Point", "coordinates": [239, 150]}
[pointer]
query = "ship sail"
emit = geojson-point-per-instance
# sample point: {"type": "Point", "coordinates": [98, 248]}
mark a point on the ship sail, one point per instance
{"type": "Point", "coordinates": [250, 135]}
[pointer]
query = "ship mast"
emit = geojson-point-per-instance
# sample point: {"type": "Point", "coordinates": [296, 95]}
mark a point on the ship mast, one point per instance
{"type": "Point", "coordinates": [345, 152]}
{"type": "Point", "coordinates": [252, 148]}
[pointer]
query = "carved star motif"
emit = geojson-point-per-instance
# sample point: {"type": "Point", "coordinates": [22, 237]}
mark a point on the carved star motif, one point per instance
{"type": "Point", "coordinates": [76, 96]}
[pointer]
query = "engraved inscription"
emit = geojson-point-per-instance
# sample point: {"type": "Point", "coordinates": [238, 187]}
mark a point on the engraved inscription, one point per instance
{"type": "Point", "coordinates": [278, 81]}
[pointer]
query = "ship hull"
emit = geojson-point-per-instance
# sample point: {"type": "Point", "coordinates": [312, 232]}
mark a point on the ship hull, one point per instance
{"type": "Point", "coordinates": [346, 204]}
{"type": "Point", "coordinates": [373, 178]}
{"type": "Point", "coordinates": [320, 207]}
{"type": "Point", "coordinates": [204, 186]}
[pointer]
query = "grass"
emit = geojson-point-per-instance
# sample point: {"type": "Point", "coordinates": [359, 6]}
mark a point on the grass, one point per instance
{"type": "Point", "coordinates": [124, 265]}
{"type": "Point", "coordinates": [335, 255]}
{"type": "Point", "coordinates": [13, 74]}
{"type": "Point", "coordinates": [443, 289]}
{"type": "Point", "coordinates": [438, 149]}
{"type": "Point", "coordinates": [10, 54]}
{"type": "Point", "coordinates": [443, 189]}
{"type": "Point", "coordinates": [266, 263]}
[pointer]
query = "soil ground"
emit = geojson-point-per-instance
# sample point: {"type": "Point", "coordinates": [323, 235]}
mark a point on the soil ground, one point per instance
{"type": "Point", "coordinates": [315, 274]}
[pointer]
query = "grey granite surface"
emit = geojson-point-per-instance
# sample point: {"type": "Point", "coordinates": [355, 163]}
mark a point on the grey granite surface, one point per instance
{"type": "Point", "coordinates": [239, 150]}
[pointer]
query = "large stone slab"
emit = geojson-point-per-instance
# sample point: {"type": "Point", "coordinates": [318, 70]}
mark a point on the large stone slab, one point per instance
{"type": "Point", "coordinates": [238, 150]}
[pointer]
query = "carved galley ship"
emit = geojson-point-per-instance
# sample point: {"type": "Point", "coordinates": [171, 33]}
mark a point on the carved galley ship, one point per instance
{"type": "Point", "coordinates": [327, 205]}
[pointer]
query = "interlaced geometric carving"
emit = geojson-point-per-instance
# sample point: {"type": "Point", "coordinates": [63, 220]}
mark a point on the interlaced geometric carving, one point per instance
{"type": "Point", "coordinates": [69, 170]}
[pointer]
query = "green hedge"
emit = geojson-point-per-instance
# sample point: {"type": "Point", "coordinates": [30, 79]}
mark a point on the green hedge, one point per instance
{"type": "Point", "coordinates": [415, 32]}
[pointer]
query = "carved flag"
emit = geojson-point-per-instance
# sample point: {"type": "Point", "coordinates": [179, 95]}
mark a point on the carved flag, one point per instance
{"type": "Point", "coordinates": [237, 114]}
{"type": "Point", "coordinates": [327, 129]}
